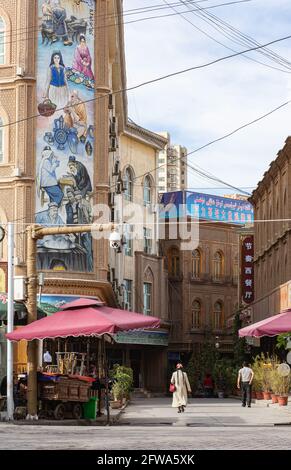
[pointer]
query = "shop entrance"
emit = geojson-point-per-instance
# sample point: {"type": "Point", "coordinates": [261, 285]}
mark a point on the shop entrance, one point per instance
{"type": "Point", "coordinates": [135, 364]}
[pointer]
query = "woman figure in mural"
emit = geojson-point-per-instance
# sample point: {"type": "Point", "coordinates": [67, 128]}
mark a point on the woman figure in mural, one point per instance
{"type": "Point", "coordinates": [76, 115]}
{"type": "Point", "coordinates": [57, 89]}
{"type": "Point", "coordinates": [82, 59]}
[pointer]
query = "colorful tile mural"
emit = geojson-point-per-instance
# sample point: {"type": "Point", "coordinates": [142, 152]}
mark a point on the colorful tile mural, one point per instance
{"type": "Point", "coordinates": [65, 131]}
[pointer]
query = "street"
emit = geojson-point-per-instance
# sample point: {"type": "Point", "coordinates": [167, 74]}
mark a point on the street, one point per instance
{"type": "Point", "coordinates": [151, 424]}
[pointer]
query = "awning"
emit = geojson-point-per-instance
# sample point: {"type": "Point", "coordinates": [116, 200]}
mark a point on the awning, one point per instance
{"type": "Point", "coordinates": [272, 326]}
{"type": "Point", "coordinates": [84, 317]}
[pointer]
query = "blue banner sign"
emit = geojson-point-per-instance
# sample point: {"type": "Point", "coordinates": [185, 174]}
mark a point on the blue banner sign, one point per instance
{"type": "Point", "coordinates": [206, 207]}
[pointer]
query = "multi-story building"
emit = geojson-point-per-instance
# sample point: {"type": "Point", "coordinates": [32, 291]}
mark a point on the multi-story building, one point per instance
{"type": "Point", "coordinates": [172, 163]}
{"type": "Point", "coordinates": [272, 241]}
{"type": "Point", "coordinates": [62, 69]}
{"type": "Point", "coordinates": [203, 279]}
{"type": "Point", "coordinates": [136, 269]}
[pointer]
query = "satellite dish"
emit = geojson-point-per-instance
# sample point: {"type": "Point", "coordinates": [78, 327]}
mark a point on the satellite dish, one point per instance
{"type": "Point", "coordinates": [2, 234]}
{"type": "Point", "coordinates": [288, 358]}
{"type": "Point", "coordinates": [283, 370]}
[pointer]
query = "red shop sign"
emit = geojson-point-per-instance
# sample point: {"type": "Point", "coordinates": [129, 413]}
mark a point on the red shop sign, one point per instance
{"type": "Point", "coordinates": [247, 269]}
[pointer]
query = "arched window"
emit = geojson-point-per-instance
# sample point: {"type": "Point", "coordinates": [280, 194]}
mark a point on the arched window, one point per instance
{"type": "Point", "coordinates": [1, 141]}
{"type": "Point", "coordinates": [217, 266]}
{"type": "Point", "coordinates": [128, 180]}
{"type": "Point", "coordinates": [218, 315]}
{"type": "Point", "coordinates": [196, 314]}
{"type": "Point", "coordinates": [173, 262]}
{"type": "Point", "coordinates": [147, 193]}
{"type": "Point", "coordinates": [2, 41]}
{"type": "Point", "coordinates": [196, 264]}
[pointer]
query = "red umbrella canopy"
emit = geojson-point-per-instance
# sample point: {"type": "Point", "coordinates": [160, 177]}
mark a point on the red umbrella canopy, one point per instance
{"type": "Point", "coordinates": [84, 317]}
{"type": "Point", "coordinates": [271, 326]}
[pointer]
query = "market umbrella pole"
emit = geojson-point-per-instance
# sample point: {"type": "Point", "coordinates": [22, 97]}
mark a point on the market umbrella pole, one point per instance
{"type": "Point", "coordinates": [31, 317]}
{"type": "Point", "coordinates": [106, 382]}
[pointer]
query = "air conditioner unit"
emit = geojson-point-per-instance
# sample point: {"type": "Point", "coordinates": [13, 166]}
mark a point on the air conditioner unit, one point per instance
{"type": "Point", "coordinates": [20, 288]}
{"type": "Point", "coordinates": [111, 199]}
{"type": "Point", "coordinates": [20, 71]}
{"type": "Point", "coordinates": [113, 127]}
{"type": "Point", "coordinates": [116, 168]}
{"type": "Point", "coordinates": [113, 144]}
{"type": "Point", "coordinates": [110, 102]}
{"type": "Point", "coordinates": [17, 172]}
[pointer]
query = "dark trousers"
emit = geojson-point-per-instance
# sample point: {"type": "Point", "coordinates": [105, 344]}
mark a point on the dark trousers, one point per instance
{"type": "Point", "coordinates": [246, 393]}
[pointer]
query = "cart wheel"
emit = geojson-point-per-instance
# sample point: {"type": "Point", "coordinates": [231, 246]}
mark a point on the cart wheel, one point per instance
{"type": "Point", "coordinates": [42, 414]}
{"type": "Point", "coordinates": [77, 411]}
{"type": "Point", "coordinates": [59, 411]}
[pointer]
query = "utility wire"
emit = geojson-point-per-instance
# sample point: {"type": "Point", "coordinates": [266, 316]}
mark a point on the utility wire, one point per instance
{"type": "Point", "coordinates": [181, 14]}
{"type": "Point", "coordinates": [158, 79]}
{"type": "Point", "coordinates": [235, 35]}
{"type": "Point", "coordinates": [29, 30]}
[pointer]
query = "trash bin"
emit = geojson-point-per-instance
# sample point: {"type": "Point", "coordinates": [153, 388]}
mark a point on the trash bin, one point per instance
{"type": "Point", "coordinates": [90, 408]}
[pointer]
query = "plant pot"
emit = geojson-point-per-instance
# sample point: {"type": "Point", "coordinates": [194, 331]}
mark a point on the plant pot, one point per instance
{"type": "Point", "coordinates": [274, 398]}
{"type": "Point", "coordinates": [254, 394]}
{"type": "Point", "coordinates": [267, 395]}
{"type": "Point", "coordinates": [116, 404]}
{"type": "Point", "coordinates": [282, 401]}
{"type": "Point", "coordinates": [259, 395]}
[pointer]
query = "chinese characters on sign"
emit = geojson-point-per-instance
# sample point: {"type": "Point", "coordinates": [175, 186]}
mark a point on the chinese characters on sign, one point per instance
{"type": "Point", "coordinates": [247, 269]}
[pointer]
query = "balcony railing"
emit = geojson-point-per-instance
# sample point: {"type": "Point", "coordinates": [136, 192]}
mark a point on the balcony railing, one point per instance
{"type": "Point", "coordinates": [177, 277]}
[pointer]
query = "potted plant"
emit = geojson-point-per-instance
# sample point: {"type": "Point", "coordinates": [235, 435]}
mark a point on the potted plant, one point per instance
{"type": "Point", "coordinates": [283, 388]}
{"type": "Point", "coordinates": [117, 395]}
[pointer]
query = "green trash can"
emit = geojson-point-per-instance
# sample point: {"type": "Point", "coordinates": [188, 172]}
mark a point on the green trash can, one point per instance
{"type": "Point", "coordinates": [90, 408]}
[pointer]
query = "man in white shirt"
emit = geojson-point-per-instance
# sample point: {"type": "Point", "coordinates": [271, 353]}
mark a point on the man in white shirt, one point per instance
{"type": "Point", "coordinates": [244, 381]}
{"type": "Point", "coordinates": [47, 358]}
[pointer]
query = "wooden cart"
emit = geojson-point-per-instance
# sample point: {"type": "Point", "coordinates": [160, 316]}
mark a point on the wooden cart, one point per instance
{"type": "Point", "coordinates": [62, 397]}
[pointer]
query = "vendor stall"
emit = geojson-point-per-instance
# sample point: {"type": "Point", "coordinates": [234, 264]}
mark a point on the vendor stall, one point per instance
{"type": "Point", "coordinates": [80, 318]}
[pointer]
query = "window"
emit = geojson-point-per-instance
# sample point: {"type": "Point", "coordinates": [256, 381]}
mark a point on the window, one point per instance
{"type": "Point", "coordinates": [196, 264]}
{"type": "Point", "coordinates": [217, 266]}
{"type": "Point", "coordinates": [174, 262]}
{"type": "Point", "coordinates": [162, 178]}
{"type": "Point", "coordinates": [147, 237]}
{"type": "Point", "coordinates": [129, 240]}
{"type": "Point", "coordinates": [147, 196]}
{"type": "Point", "coordinates": [147, 298]}
{"type": "Point", "coordinates": [127, 294]}
{"type": "Point", "coordinates": [218, 315]}
{"type": "Point", "coordinates": [1, 141]}
{"type": "Point", "coordinates": [2, 41]}
{"type": "Point", "coordinates": [196, 314]}
{"type": "Point", "coordinates": [128, 180]}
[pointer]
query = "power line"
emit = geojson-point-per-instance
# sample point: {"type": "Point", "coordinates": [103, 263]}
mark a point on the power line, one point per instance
{"type": "Point", "coordinates": [181, 14]}
{"type": "Point", "coordinates": [155, 80]}
{"type": "Point", "coordinates": [232, 33]}
{"type": "Point", "coordinates": [225, 136]}
{"type": "Point", "coordinates": [118, 24]}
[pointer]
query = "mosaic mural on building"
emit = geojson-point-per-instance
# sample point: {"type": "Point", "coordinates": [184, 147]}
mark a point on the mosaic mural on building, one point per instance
{"type": "Point", "coordinates": [65, 131]}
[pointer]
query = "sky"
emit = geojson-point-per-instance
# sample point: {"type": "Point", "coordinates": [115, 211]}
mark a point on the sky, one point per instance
{"type": "Point", "coordinates": [201, 105]}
